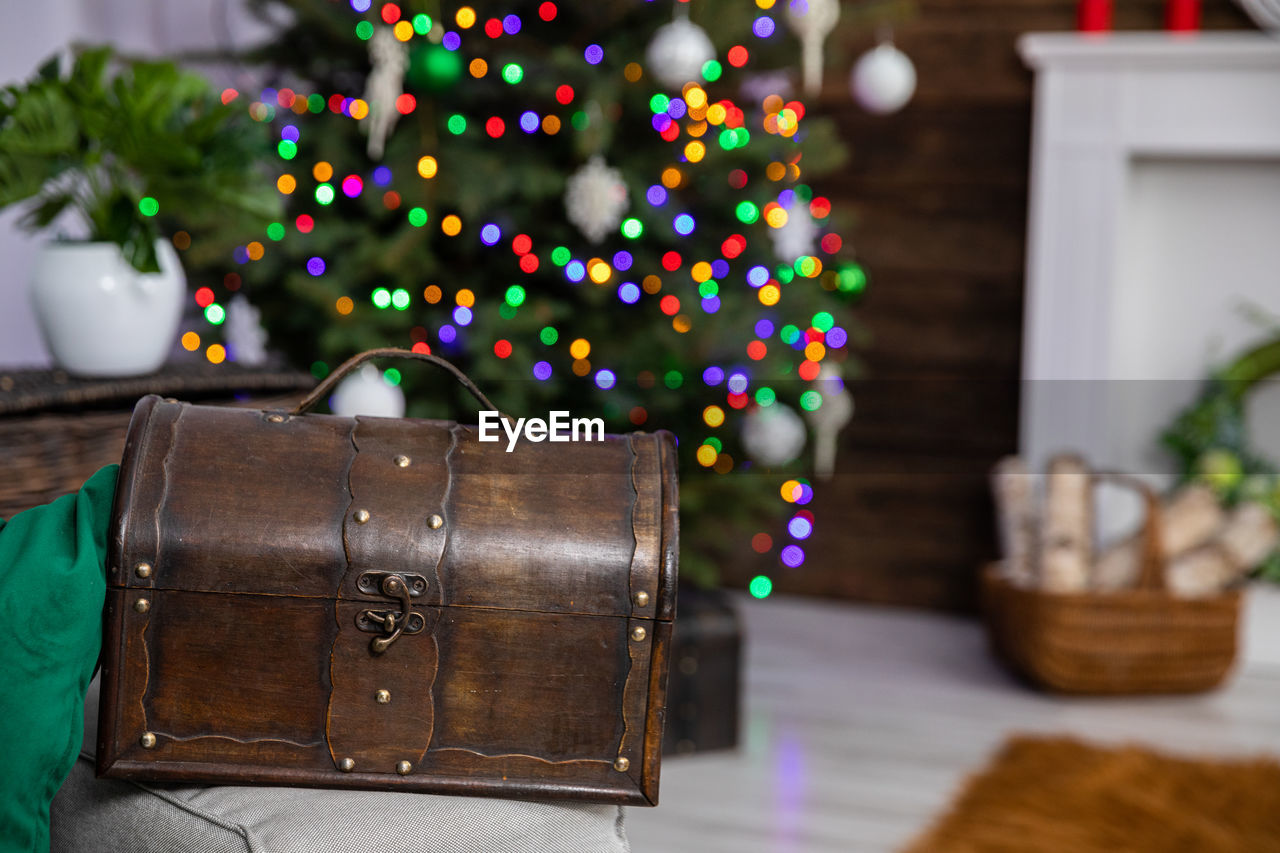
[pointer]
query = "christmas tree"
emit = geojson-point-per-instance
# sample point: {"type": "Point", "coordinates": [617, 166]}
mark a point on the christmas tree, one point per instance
{"type": "Point", "coordinates": [588, 207]}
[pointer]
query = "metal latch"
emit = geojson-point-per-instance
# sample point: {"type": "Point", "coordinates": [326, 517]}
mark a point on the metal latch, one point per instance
{"type": "Point", "coordinates": [391, 623]}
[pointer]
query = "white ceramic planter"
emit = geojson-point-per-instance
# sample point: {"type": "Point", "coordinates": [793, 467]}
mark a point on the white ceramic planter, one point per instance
{"type": "Point", "coordinates": [100, 316]}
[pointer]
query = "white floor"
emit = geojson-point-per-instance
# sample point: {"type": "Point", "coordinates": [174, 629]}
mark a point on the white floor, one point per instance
{"type": "Point", "coordinates": [860, 723]}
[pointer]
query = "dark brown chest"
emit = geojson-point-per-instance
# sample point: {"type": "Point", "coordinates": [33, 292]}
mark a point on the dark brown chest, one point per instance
{"type": "Point", "coordinates": [392, 604]}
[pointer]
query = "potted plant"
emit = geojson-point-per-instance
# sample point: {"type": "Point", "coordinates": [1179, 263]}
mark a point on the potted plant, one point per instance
{"type": "Point", "coordinates": [126, 145]}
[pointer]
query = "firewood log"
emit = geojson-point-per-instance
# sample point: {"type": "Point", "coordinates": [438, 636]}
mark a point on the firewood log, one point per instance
{"type": "Point", "coordinates": [1066, 535]}
{"type": "Point", "coordinates": [1199, 572]}
{"type": "Point", "coordinates": [1189, 519]}
{"type": "Point", "coordinates": [1249, 534]}
{"type": "Point", "coordinates": [1011, 485]}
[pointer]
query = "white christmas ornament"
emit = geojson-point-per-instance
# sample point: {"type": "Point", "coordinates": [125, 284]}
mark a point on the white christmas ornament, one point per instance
{"type": "Point", "coordinates": [245, 336]}
{"type": "Point", "coordinates": [773, 435]}
{"type": "Point", "coordinates": [883, 80]}
{"type": "Point", "coordinates": [828, 419]}
{"type": "Point", "coordinates": [678, 52]}
{"type": "Point", "coordinates": [389, 57]}
{"type": "Point", "coordinates": [365, 392]}
{"type": "Point", "coordinates": [595, 198]}
{"type": "Point", "coordinates": [812, 22]}
{"type": "Point", "coordinates": [797, 237]}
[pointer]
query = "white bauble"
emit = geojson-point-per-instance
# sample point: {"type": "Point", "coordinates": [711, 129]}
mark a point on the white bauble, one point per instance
{"type": "Point", "coordinates": [595, 198]}
{"type": "Point", "coordinates": [797, 237]}
{"type": "Point", "coordinates": [883, 80]}
{"type": "Point", "coordinates": [678, 52]}
{"type": "Point", "coordinates": [365, 392]}
{"type": "Point", "coordinates": [773, 435]}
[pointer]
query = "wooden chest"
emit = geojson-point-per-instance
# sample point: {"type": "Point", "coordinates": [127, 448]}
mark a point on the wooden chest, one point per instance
{"type": "Point", "coordinates": [300, 599]}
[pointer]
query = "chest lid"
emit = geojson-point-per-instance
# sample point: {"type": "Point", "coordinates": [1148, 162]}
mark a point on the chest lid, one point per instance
{"type": "Point", "coordinates": [237, 501]}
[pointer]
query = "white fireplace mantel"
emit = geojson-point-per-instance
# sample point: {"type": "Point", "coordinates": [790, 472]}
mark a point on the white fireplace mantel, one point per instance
{"type": "Point", "coordinates": [1102, 105]}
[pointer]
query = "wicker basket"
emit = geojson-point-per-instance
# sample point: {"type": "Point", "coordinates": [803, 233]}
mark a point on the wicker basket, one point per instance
{"type": "Point", "coordinates": [47, 456]}
{"type": "Point", "coordinates": [56, 430]}
{"type": "Point", "coordinates": [1135, 641]}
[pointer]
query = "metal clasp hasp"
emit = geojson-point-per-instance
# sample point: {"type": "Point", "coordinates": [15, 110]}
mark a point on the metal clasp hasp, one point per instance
{"type": "Point", "coordinates": [391, 622]}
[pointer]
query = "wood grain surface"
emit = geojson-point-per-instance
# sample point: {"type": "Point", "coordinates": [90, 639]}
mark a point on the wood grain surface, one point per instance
{"type": "Point", "coordinates": [523, 651]}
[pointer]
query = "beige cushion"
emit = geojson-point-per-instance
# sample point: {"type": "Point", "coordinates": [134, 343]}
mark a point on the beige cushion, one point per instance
{"type": "Point", "coordinates": [92, 814]}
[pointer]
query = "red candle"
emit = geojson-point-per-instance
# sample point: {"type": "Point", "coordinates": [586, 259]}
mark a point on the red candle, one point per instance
{"type": "Point", "coordinates": [1094, 16]}
{"type": "Point", "coordinates": [1182, 16]}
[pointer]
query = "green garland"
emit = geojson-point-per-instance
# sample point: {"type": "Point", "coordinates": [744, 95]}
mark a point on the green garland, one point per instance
{"type": "Point", "coordinates": [1210, 439]}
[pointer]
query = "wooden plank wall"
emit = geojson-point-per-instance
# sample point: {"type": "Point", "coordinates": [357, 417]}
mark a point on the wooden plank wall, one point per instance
{"type": "Point", "coordinates": [939, 196]}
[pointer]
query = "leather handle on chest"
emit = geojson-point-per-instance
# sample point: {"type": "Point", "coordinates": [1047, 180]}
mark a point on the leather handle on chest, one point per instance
{"type": "Point", "coordinates": [325, 388]}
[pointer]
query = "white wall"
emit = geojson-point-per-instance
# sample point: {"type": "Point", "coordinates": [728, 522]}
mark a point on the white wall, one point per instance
{"type": "Point", "coordinates": [31, 31]}
{"type": "Point", "coordinates": [1199, 252]}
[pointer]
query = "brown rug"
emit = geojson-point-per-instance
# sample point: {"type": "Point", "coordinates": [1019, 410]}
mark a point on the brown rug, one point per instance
{"type": "Point", "coordinates": [1057, 795]}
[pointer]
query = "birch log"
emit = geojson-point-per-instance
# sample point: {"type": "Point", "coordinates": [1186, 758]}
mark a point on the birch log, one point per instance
{"type": "Point", "coordinates": [1249, 536]}
{"type": "Point", "coordinates": [1199, 572]}
{"type": "Point", "coordinates": [1011, 484]}
{"type": "Point", "coordinates": [1066, 534]}
{"type": "Point", "coordinates": [1244, 541]}
{"type": "Point", "coordinates": [1187, 520]}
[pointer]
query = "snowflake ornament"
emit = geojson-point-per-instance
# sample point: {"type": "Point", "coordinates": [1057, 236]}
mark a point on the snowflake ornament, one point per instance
{"type": "Point", "coordinates": [244, 333]}
{"type": "Point", "coordinates": [595, 198]}
{"type": "Point", "coordinates": [797, 237]}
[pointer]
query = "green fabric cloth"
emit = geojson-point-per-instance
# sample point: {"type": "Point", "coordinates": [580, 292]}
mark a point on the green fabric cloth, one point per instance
{"type": "Point", "coordinates": [52, 589]}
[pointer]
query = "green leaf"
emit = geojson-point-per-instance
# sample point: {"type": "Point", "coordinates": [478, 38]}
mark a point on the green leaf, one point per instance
{"type": "Point", "coordinates": [100, 142]}
{"type": "Point", "coordinates": [88, 70]}
{"type": "Point", "coordinates": [141, 252]}
{"type": "Point", "coordinates": [49, 69]}
{"type": "Point", "coordinates": [44, 213]}
{"type": "Point", "coordinates": [22, 178]}
{"type": "Point", "coordinates": [41, 122]}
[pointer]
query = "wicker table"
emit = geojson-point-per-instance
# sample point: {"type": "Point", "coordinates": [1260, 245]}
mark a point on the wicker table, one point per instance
{"type": "Point", "coordinates": [56, 430]}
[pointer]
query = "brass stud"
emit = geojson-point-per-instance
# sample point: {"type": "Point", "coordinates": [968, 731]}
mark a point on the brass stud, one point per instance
{"type": "Point", "coordinates": [142, 605]}
{"type": "Point", "coordinates": [403, 768]}
{"type": "Point", "coordinates": [638, 633]}
{"type": "Point", "coordinates": [171, 399]}
{"type": "Point", "coordinates": [402, 461]}
{"type": "Point", "coordinates": [642, 598]}
{"type": "Point", "coordinates": [435, 522]}
{"type": "Point", "coordinates": [383, 697]}
{"type": "Point", "coordinates": [346, 765]}
{"type": "Point", "coordinates": [361, 516]}
{"type": "Point", "coordinates": [276, 419]}
{"type": "Point", "coordinates": [621, 764]}
{"type": "Point", "coordinates": [142, 570]}
{"type": "Point", "coordinates": [147, 740]}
